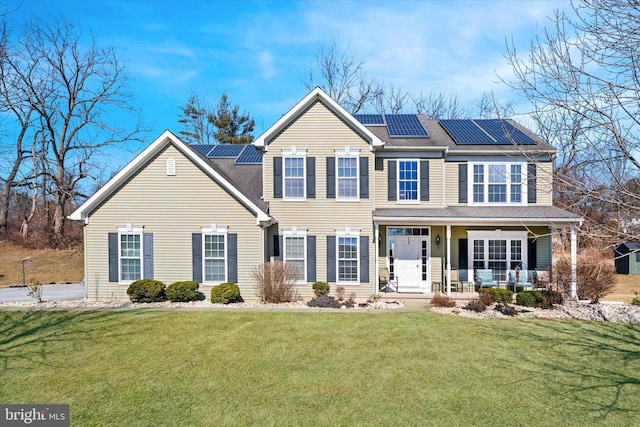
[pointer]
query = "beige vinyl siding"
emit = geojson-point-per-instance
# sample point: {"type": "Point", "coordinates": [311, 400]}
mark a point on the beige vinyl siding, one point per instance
{"type": "Point", "coordinates": [451, 183]}
{"type": "Point", "coordinates": [172, 208]}
{"type": "Point", "coordinates": [320, 133]}
{"type": "Point", "coordinates": [436, 196]}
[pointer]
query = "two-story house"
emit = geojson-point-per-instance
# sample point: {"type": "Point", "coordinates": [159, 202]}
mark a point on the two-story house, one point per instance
{"type": "Point", "coordinates": [342, 197]}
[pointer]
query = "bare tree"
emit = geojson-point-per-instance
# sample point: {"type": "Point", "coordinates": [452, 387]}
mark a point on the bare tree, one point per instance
{"type": "Point", "coordinates": [197, 128]}
{"type": "Point", "coordinates": [582, 80]}
{"type": "Point", "coordinates": [439, 106]}
{"type": "Point", "coordinates": [71, 89]}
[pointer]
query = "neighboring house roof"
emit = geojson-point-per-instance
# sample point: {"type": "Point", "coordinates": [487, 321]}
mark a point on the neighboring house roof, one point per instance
{"type": "Point", "coordinates": [316, 95]}
{"type": "Point", "coordinates": [479, 215]}
{"type": "Point", "coordinates": [632, 246]}
{"type": "Point", "coordinates": [439, 139]}
{"type": "Point", "coordinates": [235, 182]}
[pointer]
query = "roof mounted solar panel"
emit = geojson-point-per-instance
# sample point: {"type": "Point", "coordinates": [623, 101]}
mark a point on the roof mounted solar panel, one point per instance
{"type": "Point", "coordinates": [250, 155]}
{"type": "Point", "coordinates": [466, 132]}
{"type": "Point", "coordinates": [370, 119]}
{"type": "Point", "coordinates": [504, 132]}
{"type": "Point", "coordinates": [226, 150]}
{"type": "Point", "coordinates": [407, 125]}
{"type": "Point", "coordinates": [202, 149]}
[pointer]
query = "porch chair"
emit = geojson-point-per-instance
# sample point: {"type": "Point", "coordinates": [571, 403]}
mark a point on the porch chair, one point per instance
{"type": "Point", "coordinates": [542, 279]}
{"type": "Point", "coordinates": [484, 279]}
{"type": "Point", "coordinates": [519, 279]}
{"type": "Point", "coordinates": [456, 285]}
{"type": "Point", "coordinates": [385, 283]}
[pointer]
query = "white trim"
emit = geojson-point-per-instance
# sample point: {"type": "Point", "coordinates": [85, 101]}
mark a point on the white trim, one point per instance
{"type": "Point", "coordinates": [214, 230]}
{"type": "Point", "coordinates": [166, 138]}
{"type": "Point", "coordinates": [316, 94]}
{"type": "Point", "coordinates": [347, 153]}
{"type": "Point", "coordinates": [296, 232]}
{"type": "Point", "coordinates": [294, 153]}
{"type": "Point", "coordinates": [347, 232]}
{"type": "Point", "coordinates": [171, 166]}
{"type": "Point", "coordinates": [411, 201]}
{"type": "Point", "coordinates": [497, 234]}
{"type": "Point", "coordinates": [127, 230]}
{"type": "Point", "coordinates": [485, 184]}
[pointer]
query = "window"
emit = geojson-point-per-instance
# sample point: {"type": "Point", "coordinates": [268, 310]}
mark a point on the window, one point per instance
{"type": "Point", "coordinates": [347, 259]}
{"type": "Point", "coordinates": [294, 173]}
{"type": "Point", "coordinates": [638, 257]}
{"type": "Point", "coordinates": [498, 183]}
{"type": "Point", "coordinates": [295, 251]}
{"type": "Point", "coordinates": [498, 250]}
{"type": "Point", "coordinates": [408, 180]}
{"type": "Point", "coordinates": [130, 257]}
{"type": "Point", "coordinates": [347, 177]}
{"type": "Point", "coordinates": [214, 258]}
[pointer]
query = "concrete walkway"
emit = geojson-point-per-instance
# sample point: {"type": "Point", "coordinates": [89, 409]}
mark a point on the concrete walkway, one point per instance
{"type": "Point", "coordinates": [49, 293]}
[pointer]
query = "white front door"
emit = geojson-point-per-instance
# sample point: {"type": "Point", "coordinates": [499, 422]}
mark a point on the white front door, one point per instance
{"type": "Point", "coordinates": [410, 257]}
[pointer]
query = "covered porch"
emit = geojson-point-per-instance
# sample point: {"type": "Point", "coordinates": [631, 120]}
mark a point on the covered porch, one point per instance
{"type": "Point", "coordinates": [454, 249]}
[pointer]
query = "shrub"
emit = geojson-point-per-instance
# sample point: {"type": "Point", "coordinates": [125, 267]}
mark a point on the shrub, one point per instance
{"type": "Point", "coordinates": [507, 310]}
{"type": "Point", "coordinates": [635, 301]}
{"type": "Point", "coordinates": [526, 298]}
{"type": "Point", "coordinates": [225, 293]}
{"type": "Point", "coordinates": [146, 290]}
{"type": "Point", "coordinates": [596, 275]}
{"type": "Point", "coordinates": [340, 293]}
{"type": "Point", "coordinates": [476, 306]}
{"type": "Point", "coordinates": [321, 289]}
{"type": "Point", "coordinates": [325, 302]}
{"type": "Point", "coordinates": [490, 296]}
{"type": "Point", "coordinates": [34, 290]}
{"type": "Point", "coordinates": [440, 300]}
{"type": "Point", "coordinates": [538, 298]}
{"type": "Point", "coordinates": [276, 281]}
{"type": "Point", "coordinates": [351, 300]}
{"type": "Point", "coordinates": [183, 291]}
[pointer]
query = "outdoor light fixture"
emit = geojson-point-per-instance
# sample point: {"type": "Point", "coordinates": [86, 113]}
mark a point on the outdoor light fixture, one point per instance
{"type": "Point", "coordinates": [438, 240]}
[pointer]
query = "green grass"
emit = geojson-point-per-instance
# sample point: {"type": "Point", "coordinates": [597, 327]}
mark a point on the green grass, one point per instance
{"type": "Point", "coordinates": [145, 367]}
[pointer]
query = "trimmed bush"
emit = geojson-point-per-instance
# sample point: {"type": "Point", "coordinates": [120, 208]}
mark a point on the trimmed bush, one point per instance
{"type": "Point", "coordinates": [489, 296]}
{"type": "Point", "coordinates": [476, 306]}
{"type": "Point", "coordinates": [440, 300]}
{"type": "Point", "coordinates": [183, 291]}
{"type": "Point", "coordinates": [321, 289]}
{"type": "Point", "coordinates": [225, 293]}
{"type": "Point", "coordinates": [538, 298]}
{"type": "Point", "coordinates": [146, 290]}
{"type": "Point", "coordinates": [327, 302]}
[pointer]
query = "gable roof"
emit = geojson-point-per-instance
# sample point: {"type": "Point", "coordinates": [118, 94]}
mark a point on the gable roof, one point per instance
{"type": "Point", "coordinates": [241, 192]}
{"type": "Point", "coordinates": [316, 95]}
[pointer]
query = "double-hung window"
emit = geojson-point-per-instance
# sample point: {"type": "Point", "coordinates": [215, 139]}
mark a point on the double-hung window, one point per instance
{"type": "Point", "coordinates": [497, 183]}
{"type": "Point", "coordinates": [294, 174]}
{"type": "Point", "coordinates": [214, 241]}
{"type": "Point", "coordinates": [130, 253]}
{"type": "Point", "coordinates": [347, 177]}
{"type": "Point", "coordinates": [348, 258]}
{"type": "Point", "coordinates": [498, 250]}
{"type": "Point", "coordinates": [295, 245]}
{"type": "Point", "coordinates": [408, 180]}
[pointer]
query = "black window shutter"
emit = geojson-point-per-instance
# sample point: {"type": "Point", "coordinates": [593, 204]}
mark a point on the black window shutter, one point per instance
{"type": "Point", "coordinates": [277, 177]}
{"type": "Point", "coordinates": [311, 258]}
{"type": "Point", "coordinates": [311, 177]}
{"type": "Point", "coordinates": [532, 254]}
{"type": "Point", "coordinates": [462, 183]}
{"type": "Point", "coordinates": [364, 177]}
{"type": "Point", "coordinates": [196, 258]}
{"type": "Point", "coordinates": [232, 257]}
{"type": "Point", "coordinates": [463, 264]}
{"type": "Point", "coordinates": [531, 183]}
{"type": "Point", "coordinates": [424, 180]}
{"type": "Point", "coordinates": [331, 259]}
{"type": "Point", "coordinates": [331, 177]}
{"type": "Point", "coordinates": [277, 248]}
{"type": "Point", "coordinates": [147, 247]}
{"type": "Point", "coordinates": [364, 259]}
{"type": "Point", "coordinates": [113, 257]}
{"type": "Point", "coordinates": [391, 180]}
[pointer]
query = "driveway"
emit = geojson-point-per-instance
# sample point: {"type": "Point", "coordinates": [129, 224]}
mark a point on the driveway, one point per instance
{"type": "Point", "coordinates": [49, 293]}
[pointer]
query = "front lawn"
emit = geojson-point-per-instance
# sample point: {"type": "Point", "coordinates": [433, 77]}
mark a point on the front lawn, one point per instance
{"type": "Point", "coordinates": [144, 367]}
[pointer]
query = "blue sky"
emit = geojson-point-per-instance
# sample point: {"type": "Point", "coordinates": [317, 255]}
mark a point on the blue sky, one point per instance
{"type": "Point", "coordinates": [257, 51]}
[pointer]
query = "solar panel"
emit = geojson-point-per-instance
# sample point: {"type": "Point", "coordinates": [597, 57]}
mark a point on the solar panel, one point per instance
{"type": "Point", "coordinates": [202, 149]}
{"type": "Point", "coordinates": [465, 132]}
{"type": "Point", "coordinates": [250, 155]}
{"type": "Point", "coordinates": [504, 132]}
{"type": "Point", "coordinates": [405, 125]}
{"type": "Point", "coordinates": [226, 150]}
{"type": "Point", "coordinates": [369, 119]}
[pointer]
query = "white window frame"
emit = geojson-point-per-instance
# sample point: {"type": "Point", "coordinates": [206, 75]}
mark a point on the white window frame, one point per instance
{"type": "Point", "coordinates": [133, 230]}
{"type": "Point", "coordinates": [347, 153]}
{"type": "Point", "coordinates": [486, 235]}
{"type": "Point", "coordinates": [296, 232]}
{"type": "Point", "coordinates": [214, 230]}
{"type": "Point", "coordinates": [410, 201]}
{"type": "Point", "coordinates": [294, 153]}
{"type": "Point", "coordinates": [348, 233]}
{"type": "Point", "coordinates": [508, 184]}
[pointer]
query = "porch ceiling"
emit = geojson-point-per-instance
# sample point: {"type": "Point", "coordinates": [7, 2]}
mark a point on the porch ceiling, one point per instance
{"type": "Point", "coordinates": [478, 215]}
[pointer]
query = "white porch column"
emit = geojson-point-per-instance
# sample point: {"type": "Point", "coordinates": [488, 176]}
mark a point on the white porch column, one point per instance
{"type": "Point", "coordinates": [376, 253]}
{"type": "Point", "coordinates": [574, 262]}
{"type": "Point", "coordinates": [448, 259]}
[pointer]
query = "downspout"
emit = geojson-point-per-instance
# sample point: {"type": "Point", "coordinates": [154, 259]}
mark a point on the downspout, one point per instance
{"type": "Point", "coordinates": [448, 259]}
{"type": "Point", "coordinates": [574, 263]}
{"type": "Point", "coordinates": [376, 251]}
